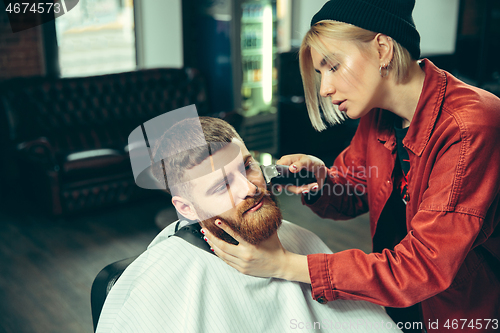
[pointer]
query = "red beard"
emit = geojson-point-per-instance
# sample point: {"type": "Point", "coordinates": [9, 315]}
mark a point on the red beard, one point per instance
{"type": "Point", "coordinates": [253, 227]}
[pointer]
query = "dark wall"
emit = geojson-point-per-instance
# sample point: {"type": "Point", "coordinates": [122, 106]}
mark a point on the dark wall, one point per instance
{"type": "Point", "coordinates": [21, 53]}
{"type": "Point", "coordinates": [478, 40]}
{"type": "Point", "coordinates": [297, 134]}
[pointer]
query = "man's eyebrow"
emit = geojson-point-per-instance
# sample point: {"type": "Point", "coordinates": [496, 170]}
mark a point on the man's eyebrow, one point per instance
{"type": "Point", "coordinates": [219, 181]}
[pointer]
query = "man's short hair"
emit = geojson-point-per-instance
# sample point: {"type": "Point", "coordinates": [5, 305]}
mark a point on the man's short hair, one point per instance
{"type": "Point", "coordinates": [174, 144]}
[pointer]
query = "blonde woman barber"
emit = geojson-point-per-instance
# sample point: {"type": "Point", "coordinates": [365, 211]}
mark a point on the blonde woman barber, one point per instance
{"type": "Point", "coordinates": [425, 162]}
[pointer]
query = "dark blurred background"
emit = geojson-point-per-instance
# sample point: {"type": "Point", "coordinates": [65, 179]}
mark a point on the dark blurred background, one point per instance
{"type": "Point", "coordinates": [73, 89]}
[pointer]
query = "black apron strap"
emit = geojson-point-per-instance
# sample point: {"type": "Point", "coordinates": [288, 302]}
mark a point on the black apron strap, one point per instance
{"type": "Point", "coordinates": [192, 234]}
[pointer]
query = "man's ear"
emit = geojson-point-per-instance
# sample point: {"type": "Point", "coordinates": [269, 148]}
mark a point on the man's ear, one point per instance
{"type": "Point", "coordinates": [385, 48]}
{"type": "Point", "coordinates": [185, 208]}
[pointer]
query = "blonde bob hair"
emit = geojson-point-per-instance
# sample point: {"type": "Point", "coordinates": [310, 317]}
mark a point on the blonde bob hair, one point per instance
{"type": "Point", "coordinates": [399, 65]}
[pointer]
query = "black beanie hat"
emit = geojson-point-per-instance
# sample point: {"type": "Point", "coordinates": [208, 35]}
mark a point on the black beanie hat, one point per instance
{"type": "Point", "coordinates": [390, 17]}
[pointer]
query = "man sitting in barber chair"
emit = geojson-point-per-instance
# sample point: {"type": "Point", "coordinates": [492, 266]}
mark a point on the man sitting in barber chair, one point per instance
{"type": "Point", "coordinates": [178, 286]}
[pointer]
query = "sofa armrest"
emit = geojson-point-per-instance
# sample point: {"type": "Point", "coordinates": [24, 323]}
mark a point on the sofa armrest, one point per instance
{"type": "Point", "coordinates": [39, 150]}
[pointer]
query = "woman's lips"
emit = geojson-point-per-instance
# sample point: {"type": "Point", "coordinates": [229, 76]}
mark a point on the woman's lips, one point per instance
{"type": "Point", "coordinates": [342, 106]}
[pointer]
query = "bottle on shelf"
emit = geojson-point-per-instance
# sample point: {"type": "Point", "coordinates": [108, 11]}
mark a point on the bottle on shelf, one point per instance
{"type": "Point", "coordinates": [258, 70]}
{"type": "Point", "coordinates": [249, 70]}
{"type": "Point", "coordinates": [245, 71]}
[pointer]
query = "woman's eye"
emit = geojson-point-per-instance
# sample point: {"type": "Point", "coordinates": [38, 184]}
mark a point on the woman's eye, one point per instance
{"type": "Point", "coordinates": [334, 68]}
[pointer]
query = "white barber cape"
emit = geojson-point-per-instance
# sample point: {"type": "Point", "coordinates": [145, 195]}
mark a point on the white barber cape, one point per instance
{"type": "Point", "coordinates": [177, 287]}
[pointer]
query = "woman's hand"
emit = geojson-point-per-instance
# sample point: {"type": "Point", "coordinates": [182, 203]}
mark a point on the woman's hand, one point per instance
{"type": "Point", "coordinates": [310, 163]}
{"type": "Point", "coordinates": [267, 259]}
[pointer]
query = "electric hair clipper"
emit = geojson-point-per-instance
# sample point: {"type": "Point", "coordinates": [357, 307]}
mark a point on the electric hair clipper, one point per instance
{"type": "Point", "coordinates": [280, 174]}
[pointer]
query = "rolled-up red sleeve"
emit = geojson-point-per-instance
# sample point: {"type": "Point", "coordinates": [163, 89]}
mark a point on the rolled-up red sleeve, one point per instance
{"type": "Point", "coordinates": [422, 265]}
{"type": "Point", "coordinates": [319, 274]}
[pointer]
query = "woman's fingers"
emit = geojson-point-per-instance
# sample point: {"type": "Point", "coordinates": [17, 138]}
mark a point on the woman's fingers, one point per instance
{"type": "Point", "coordinates": [230, 249]}
{"type": "Point", "coordinates": [221, 248]}
{"type": "Point", "coordinates": [231, 254]}
{"type": "Point", "coordinates": [229, 259]}
{"type": "Point", "coordinates": [297, 162]}
{"type": "Point", "coordinates": [228, 230]}
{"type": "Point", "coordinates": [302, 189]}
{"type": "Point", "coordinates": [266, 259]}
{"type": "Point", "coordinates": [289, 159]}
{"type": "Point", "coordinates": [309, 163]}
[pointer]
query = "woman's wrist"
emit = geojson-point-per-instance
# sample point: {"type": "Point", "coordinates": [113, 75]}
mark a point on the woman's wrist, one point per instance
{"type": "Point", "coordinates": [295, 268]}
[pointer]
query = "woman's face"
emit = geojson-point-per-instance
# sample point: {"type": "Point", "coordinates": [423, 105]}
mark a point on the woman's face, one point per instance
{"type": "Point", "coordinates": [350, 78]}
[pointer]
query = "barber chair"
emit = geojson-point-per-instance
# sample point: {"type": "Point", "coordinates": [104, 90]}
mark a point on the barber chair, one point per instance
{"type": "Point", "coordinates": [102, 285]}
{"type": "Point", "coordinates": [108, 276]}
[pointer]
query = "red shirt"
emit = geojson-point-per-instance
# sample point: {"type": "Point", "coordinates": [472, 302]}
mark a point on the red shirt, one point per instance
{"type": "Point", "coordinates": [450, 258]}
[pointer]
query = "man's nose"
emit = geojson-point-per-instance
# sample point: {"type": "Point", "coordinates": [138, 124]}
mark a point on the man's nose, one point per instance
{"type": "Point", "coordinates": [243, 188]}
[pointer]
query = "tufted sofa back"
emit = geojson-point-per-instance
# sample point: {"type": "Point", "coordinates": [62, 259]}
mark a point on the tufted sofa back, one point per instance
{"type": "Point", "coordinates": [64, 142]}
{"type": "Point", "coordinates": [79, 114]}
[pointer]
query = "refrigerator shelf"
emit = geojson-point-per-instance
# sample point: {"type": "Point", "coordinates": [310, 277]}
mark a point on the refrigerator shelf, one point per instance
{"type": "Point", "coordinates": [257, 84]}
{"type": "Point", "coordinates": [252, 52]}
{"type": "Point", "coordinates": [255, 20]}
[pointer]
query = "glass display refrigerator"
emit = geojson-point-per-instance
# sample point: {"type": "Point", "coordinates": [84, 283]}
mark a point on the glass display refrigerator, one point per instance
{"type": "Point", "coordinates": [258, 56]}
{"type": "Point", "coordinates": [235, 44]}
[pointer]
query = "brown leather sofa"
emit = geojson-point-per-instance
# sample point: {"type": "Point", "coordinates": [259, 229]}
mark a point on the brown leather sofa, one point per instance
{"type": "Point", "coordinates": [64, 141]}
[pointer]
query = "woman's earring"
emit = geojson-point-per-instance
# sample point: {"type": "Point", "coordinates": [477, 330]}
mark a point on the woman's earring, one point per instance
{"type": "Point", "coordinates": [384, 67]}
